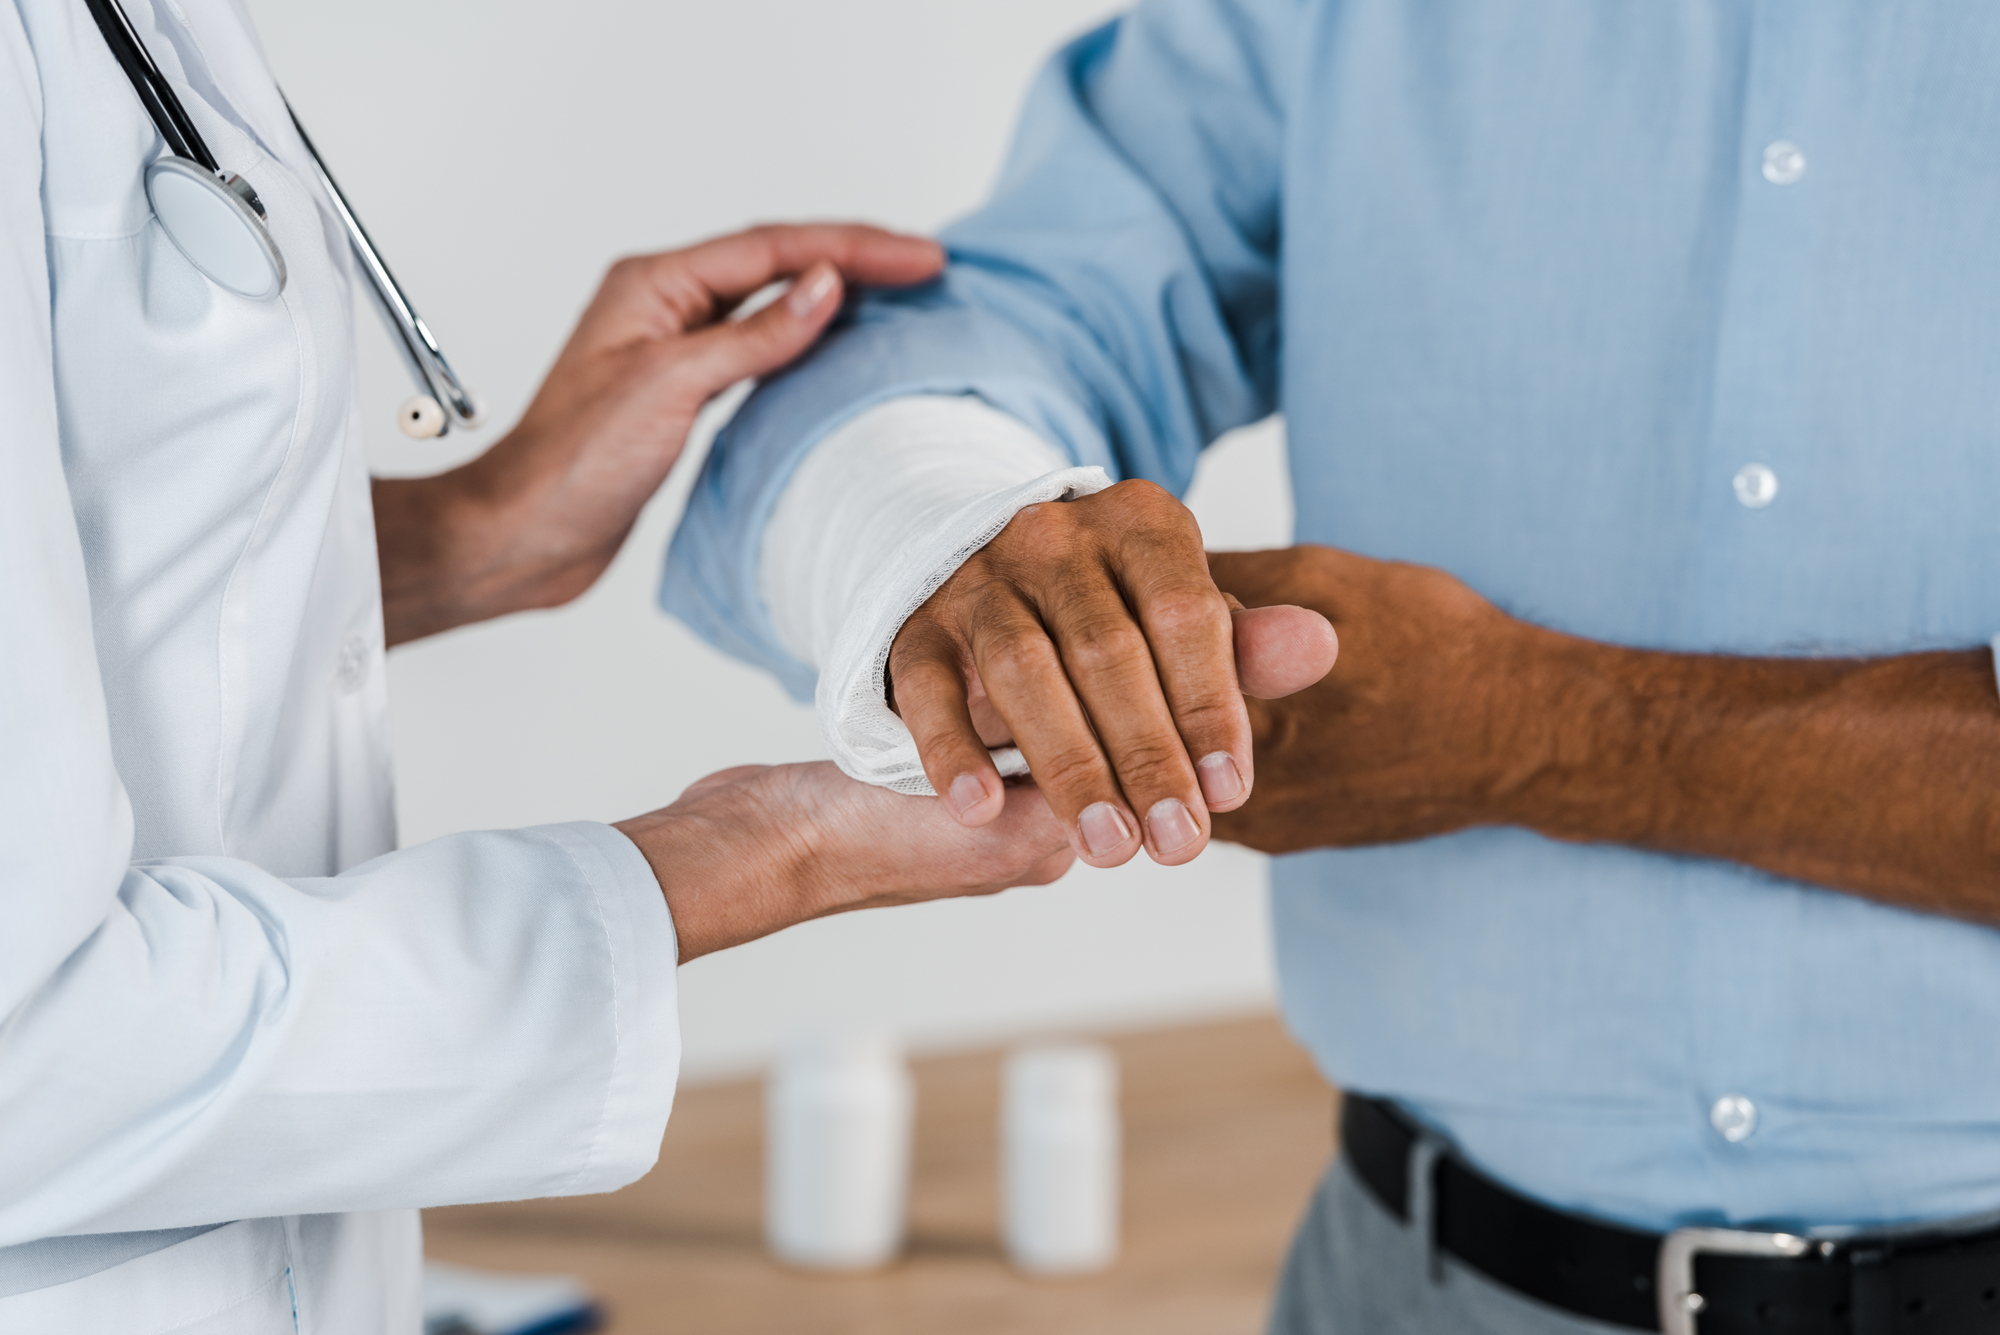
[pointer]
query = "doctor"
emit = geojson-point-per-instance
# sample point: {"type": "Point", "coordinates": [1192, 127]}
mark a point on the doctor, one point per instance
{"type": "Point", "coordinates": [223, 995]}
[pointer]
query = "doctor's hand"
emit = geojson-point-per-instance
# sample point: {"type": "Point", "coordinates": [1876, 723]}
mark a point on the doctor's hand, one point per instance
{"type": "Point", "coordinates": [748, 851]}
{"type": "Point", "coordinates": [1090, 634]}
{"type": "Point", "coordinates": [536, 519]}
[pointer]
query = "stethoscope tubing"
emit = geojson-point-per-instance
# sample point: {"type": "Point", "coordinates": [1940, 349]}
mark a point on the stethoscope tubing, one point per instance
{"type": "Point", "coordinates": [421, 353]}
{"type": "Point", "coordinates": [420, 348]}
{"type": "Point", "coordinates": [161, 102]}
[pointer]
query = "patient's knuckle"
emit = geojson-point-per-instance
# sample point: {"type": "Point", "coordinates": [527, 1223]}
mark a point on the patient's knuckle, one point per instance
{"type": "Point", "coordinates": [1181, 611]}
{"type": "Point", "coordinates": [1101, 644]}
{"type": "Point", "coordinates": [1152, 764]}
{"type": "Point", "coordinates": [939, 735]}
{"type": "Point", "coordinates": [1011, 653]}
{"type": "Point", "coordinates": [994, 606]}
{"type": "Point", "coordinates": [920, 677]}
{"type": "Point", "coordinates": [1073, 767]}
{"type": "Point", "coordinates": [1139, 502]}
{"type": "Point", "coordinates": [1040, 528]}
{"type": "Point", "coordinates": [919, 642]}
{"type": "Point", "coordinates": [1210, 716]}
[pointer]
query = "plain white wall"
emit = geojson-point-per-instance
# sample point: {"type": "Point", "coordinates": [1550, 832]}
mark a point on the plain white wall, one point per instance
{"type": "Point", "coordinates": [502, 154]}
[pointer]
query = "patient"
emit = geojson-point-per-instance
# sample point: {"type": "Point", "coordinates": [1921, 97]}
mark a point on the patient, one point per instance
{"type": "Point", "coordinates": [1598, 888]}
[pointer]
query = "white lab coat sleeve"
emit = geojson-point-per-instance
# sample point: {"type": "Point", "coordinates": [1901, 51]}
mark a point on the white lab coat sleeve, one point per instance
{"type": "Point", "coordinates": [195, 1040]}
{"type": "Point", "coordinates": [880, 514]}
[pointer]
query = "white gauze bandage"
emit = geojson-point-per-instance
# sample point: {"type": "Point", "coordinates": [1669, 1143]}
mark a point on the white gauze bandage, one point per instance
{"type": "Point", "coordinates": [877, 516]}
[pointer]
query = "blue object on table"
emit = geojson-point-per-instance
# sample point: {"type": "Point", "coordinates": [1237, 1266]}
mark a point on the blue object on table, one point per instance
{"type": "Point", "coordinates": [463, 1301]}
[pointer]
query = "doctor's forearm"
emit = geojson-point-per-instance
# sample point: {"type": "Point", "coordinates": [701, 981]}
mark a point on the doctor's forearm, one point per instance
{"type": "Point", "coordinates": [455, 549]}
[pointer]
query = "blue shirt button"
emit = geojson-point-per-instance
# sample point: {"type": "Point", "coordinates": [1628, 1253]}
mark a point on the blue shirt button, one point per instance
{"type": "Point", "coordinates": [1756, 485]}
{"type": "Point", "coordinates": [1733, 1117]}
{"type": "Point", "coordinates": [1784, 162]}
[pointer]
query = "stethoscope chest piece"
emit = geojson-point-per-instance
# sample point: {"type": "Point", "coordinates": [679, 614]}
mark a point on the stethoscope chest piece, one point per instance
{"type": "Point", "coordinates": [216, 227]}
{"type": "Point", "coordinates": [216, 220]}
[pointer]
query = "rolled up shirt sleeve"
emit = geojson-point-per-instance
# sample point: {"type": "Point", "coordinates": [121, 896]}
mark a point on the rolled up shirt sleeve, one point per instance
{"type": "Point", "coordinates": [1117, 295]}
{"type": "Point", "coordinates": [194, 1040]}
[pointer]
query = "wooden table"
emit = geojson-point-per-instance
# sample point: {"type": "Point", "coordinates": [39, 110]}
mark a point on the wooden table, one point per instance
{"type": "Point", "coordinates": [1227, 1127]}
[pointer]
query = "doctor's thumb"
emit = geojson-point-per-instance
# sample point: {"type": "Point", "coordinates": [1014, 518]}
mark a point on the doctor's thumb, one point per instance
{"type": "Point", "coordinates": [722, 354]}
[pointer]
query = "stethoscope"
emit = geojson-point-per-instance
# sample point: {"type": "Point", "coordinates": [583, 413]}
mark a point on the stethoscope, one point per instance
{"type": "Point", "coordinates": [215, 219]}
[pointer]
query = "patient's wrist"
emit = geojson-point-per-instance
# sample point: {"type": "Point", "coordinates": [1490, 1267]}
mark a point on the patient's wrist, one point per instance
{"type": "Point", "coordinates": [1569, 734]}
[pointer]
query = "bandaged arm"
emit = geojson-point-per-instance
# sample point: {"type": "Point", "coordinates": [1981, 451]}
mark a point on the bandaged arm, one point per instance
{"type": "Point", "coordinates": [874, 520]}
{"type": "Point", "coordinates": [1117, 296]}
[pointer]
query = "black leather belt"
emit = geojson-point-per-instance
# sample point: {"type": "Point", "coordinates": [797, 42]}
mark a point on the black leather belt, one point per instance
{"type": "Point", "coordinates": [1710, 1281]}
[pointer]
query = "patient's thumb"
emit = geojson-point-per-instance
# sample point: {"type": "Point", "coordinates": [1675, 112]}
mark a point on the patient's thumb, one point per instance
{"type": "Point", "coordinates": [1280, 650]}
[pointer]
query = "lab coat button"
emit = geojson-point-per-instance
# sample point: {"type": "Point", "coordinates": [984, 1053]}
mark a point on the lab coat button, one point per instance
{"type": "Point", "coordinates": [1784, 163]}
{"type": "Point", "coordinates": [1756, 486]}
{"type": "Point", "coordinates": [1733, 1117]}
{"type": "Point", "coordinates": [352, 668]}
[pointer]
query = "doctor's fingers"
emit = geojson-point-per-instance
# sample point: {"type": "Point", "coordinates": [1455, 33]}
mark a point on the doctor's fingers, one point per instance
{"type": "Point", "coordinates": [710, 360]}
{"type": "Point", "coordinates": [735, 266]}
{"type": "Point", "coordinates": [680, 290]}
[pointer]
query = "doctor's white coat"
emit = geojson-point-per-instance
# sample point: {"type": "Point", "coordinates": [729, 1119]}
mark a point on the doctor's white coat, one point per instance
{"type": "Point", "coordinates": [223, 999]}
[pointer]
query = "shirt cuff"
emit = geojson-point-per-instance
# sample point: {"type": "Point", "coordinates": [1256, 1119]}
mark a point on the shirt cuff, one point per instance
{"type": "Point", "coordinates": [643, 954]}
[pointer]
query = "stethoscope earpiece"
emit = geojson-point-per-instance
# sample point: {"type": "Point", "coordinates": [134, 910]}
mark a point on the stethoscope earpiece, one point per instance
{"type": "Point", "coordinates": [421, 417]}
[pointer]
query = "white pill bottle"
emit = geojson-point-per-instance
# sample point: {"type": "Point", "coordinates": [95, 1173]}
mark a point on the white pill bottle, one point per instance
{"type": "Point", "coordinates": [837, 1121]}
{"type": "Point", "coordinates": [1059, 1158]}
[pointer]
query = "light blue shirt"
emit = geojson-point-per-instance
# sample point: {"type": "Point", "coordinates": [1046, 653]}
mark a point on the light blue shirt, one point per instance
{"type": "Point", "coordinates": [1534, 281]}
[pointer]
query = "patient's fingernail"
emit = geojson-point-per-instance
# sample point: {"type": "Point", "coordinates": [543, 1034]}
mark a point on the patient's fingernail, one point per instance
{"type": "Point", "coordinates": [1221, 781]}
{"type": "Point", "coordinates": [1104, 829]}
{"type": "Point", "coordinates": [966, 793]}
{"type": "Point", "coordinates": [1171, 826]}
{"type": "Point", "coordinates": [807, 294]}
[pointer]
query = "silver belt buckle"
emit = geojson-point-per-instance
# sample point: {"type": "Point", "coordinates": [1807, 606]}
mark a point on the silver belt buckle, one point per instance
{"type": "Point", "coordinates": [1680, 1302]}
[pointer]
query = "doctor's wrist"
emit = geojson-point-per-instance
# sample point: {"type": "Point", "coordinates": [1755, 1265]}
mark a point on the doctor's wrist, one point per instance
{"type": "Point", "coordinates": [726, 881]}
{"type": "Point", "coordinates": [472, 544]}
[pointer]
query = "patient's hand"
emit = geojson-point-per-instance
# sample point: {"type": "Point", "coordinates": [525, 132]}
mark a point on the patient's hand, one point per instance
{"type": "Point", "coordinates": [747, 851]}
{"type": "Point", "coordinates": [1417, 732]}
{"type": "Point", "coordinates": [1090, 635]}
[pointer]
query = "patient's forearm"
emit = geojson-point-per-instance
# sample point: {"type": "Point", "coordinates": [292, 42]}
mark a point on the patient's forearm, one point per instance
{"type": "Point", "coordinates": [1878, 776]}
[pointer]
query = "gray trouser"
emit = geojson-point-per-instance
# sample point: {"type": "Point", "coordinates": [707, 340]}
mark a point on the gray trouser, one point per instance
{"type": "Point", "coordinates": [1356, 1269]}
